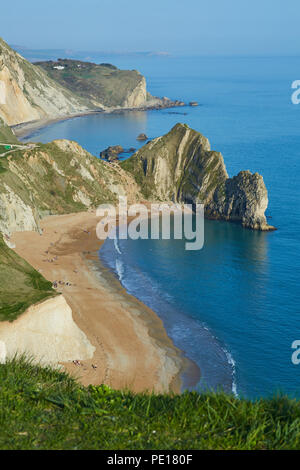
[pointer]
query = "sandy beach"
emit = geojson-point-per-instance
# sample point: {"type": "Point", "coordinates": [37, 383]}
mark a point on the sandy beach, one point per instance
{"type": "Point", "coordinates": [132, 348]}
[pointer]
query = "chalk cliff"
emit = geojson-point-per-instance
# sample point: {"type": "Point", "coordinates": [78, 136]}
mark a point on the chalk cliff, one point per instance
{"type": "Point", "coordinates": [47, 332]}
{"type": "Point", "coordinates": [138, 96]}
{"type": "Point", "coordinates": [50, 90]}
{"type": "Point", "coordinates": [28, 94]}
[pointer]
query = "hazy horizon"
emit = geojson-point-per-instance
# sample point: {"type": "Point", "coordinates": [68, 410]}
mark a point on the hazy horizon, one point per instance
{"type": "Point", "coordinates": [198, 28]}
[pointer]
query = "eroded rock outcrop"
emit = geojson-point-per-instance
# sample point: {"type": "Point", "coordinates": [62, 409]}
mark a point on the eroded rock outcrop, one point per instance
{"type": "Point", "coordinates": [112, 153]}
{"type": "Point", "coordinates": [15, 214]}
{"type": "Point", "coordinates": [138, 96]}
{"type": "Point", "coordinates": [243, 198]}
{"type": "Point", "coordinates": [181, 167]}
{"type": "Point", "coordinates": [28, 94]}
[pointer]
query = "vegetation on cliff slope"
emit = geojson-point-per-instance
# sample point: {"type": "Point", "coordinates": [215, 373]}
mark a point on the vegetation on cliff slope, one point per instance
{"type": "Point", "coordinates": [45, 409]}
{"type": "Point", "coordinates": [55, 178]}
{"type": "Point", "coordinates": [179, 167]}
{"type": "Point", "coordinates": [6, 134]}
{"type": "Point", "coordinates": [20, 284]}
{"type": "Point", "coordinates": [102, 84]}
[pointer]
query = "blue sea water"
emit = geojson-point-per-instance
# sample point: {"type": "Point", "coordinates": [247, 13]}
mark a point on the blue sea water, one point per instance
{"type": "Point", "coordinates": [233, 306]}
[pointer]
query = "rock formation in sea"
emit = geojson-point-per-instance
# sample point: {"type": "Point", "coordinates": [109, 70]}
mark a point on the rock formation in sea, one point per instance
{"type": "Point", "coordinates": [62, 177]}
{"type": "Point", "coordinates": [142, 137]}
{"type": "Point", "coordinates": [112, 153]}
{"type": "Point", "coordinates": [181, 167]}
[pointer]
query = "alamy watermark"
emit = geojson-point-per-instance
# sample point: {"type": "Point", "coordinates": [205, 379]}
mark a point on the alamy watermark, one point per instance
{"type": "Point", "coordinates": [161, 220]}
{"type": "Point", "coordinates": [296, 353]}
{"type": "Point", "coordinates": [296, 94]}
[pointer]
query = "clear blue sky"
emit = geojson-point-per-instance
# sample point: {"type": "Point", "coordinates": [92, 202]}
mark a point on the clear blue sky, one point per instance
{"type": "Point", "coordinates": [175, 26]}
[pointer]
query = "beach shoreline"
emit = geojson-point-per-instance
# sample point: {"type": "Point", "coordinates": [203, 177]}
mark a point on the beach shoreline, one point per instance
{"type": "Point", "coordinates": [133, 349]}
{"type": "Point", "coordinates": [25, 129]}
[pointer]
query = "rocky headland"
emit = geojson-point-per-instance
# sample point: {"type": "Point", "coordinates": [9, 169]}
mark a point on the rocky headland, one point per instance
{"type": "Point", "coordinates": [181, 167]}
{"type": "Point", "coordinates": [46, 91]}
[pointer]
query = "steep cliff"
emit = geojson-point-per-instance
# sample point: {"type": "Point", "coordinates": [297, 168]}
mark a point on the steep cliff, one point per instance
{"type": "Point", "coordinates": [100, 85]}
{"type": "Point", "coordinates": [48, 90]}
{"type": "Point", "coordinates": [181, 167]}
{"type": "Point", "coordinates": [35, 181]}
{"type": "Point", "coordinates": [47, 332]}
{"type": "Point", "coordinates": [21, 285]}
{"type": "Point", "coordinates": [243, 198]}
{"type": "Point", "coordinates": [138, 96]}
{"type": "Point", "coordinates": [56, 178]}
{"type": "Point", "coordinates": [28, 94]}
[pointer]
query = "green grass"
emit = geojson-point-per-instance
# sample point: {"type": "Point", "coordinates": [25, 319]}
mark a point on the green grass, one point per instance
{"type": "Point", "coordinates": [45, 409]}
{"type": "Point", "coordinates": [20, 284]}
{"type": "Point", "coordinates": [6, 135]}
{"type": "Point", "coordinates": [101, 83]}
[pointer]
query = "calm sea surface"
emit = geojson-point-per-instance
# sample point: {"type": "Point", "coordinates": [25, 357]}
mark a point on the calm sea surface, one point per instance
{"type": "Point", "coordinates": [233, 307]}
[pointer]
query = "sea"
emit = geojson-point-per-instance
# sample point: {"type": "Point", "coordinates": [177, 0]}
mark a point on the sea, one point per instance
{"type": "Point", "coordinates": [233, 306]}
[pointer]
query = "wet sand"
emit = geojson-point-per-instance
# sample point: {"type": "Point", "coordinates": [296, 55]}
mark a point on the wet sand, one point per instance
{"type": "Point", "coordinates": [132, 348]}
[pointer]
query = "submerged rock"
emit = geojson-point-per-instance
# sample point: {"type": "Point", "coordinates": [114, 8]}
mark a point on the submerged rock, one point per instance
{"type": "Point", "coordinates": [142, 137]}
{"type": "Point", "coordinates": [111, 153]}
{"type": "Point", "coordinates": [181, 167]}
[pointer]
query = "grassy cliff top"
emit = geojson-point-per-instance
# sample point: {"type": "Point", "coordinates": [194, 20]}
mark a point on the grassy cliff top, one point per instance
{"type": "Point", "coordinates": [103, 84]}
{"type": "Point", "coordinates": [20, 284]}
{"type": "Point", "coordinates": [46, 409]}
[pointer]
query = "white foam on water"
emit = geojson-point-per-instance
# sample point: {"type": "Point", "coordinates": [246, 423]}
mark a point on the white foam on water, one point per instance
{"type": "Point", "coordinates": [120, 269]}
{"type": "Point", "coordinates": [232, 363]}
{"type": "Point", "coordinates": [117, 246]}
{"type": "Point", "coordinates": [216, 363]}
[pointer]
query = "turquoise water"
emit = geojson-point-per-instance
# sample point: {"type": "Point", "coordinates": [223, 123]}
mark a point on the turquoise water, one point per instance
{"type": "Point", "coordinates": [233, 306]}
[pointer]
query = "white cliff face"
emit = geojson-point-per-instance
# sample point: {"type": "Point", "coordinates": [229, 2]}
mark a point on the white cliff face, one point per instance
{"type": "Point", "coordinates": [15, 215]}
{"type": "Point", "coordinates": [28, 94]}
{"type": "Point", "coordinates": [16, 107]}
{"type": "Point", "coordinates": [46, 332]}
{"type": "Point", "coordinates": [138, 96]}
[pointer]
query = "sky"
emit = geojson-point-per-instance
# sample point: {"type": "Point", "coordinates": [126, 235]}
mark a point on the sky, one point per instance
{"type": "Point", "coordinates": [200, 27]}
